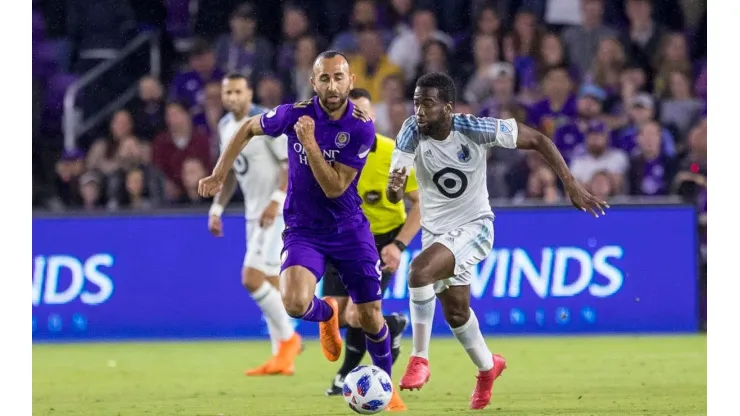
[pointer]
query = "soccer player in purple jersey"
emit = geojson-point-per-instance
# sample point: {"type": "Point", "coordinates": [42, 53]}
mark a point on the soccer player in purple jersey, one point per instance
{"type": "Point", "coordinates": [328, 142]}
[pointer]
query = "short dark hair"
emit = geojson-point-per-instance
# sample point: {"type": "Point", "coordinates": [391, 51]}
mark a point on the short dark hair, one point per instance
{"type": "Point", "coordinates": [179, 103]}
{"type": "Point", "coordinates": [199, 47]}
{"type": "Point", "coordinates": [442, 82]}
{"type": "Point", "coordinates": [244, 11]}
{"type": "Point", "coordinates": [235, 76]}
{"type": "Point", "coordinates": [356, 93]}
{"type": "Point", "coordinates": [331, 54]}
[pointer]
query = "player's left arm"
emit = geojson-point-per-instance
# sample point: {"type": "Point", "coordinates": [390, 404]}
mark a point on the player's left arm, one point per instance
{"type": "Point", "coordinates": [333, 178]}
{"type": "Point", "coordinates": [528, 138]}
{"type": "Point", "coordinates": [413, 219]}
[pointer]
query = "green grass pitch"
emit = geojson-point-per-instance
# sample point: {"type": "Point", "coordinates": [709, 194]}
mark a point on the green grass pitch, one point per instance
{"type": "Point", "coordinates": [626, 375]}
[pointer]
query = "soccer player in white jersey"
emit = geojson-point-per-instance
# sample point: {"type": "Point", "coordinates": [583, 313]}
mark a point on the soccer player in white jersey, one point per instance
{"type": "Point", "coordinates": [260, 171]}
{"type": "Point", "coordinates": [448, 152]}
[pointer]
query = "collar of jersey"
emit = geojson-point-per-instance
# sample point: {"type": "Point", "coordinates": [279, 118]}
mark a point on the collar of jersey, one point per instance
{"type": "Point", "coordinates": [322, 116]}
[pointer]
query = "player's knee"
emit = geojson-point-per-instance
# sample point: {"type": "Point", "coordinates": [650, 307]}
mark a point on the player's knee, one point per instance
{"type": "Point", "coordinates": [370, 317]}
{"type": "Point", "coordinates": [420, 274]}
{"type": "Point", "coordinates": [295, 303]}
{"type": "Point", "coordinates": [351, 316]}
{"type": "Point", "coordinates": [457, 316]}
{"type": "Point", "coordinates": [252, 279]}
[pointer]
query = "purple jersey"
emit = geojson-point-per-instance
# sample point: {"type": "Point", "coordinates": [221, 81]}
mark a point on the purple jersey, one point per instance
{"type": "Point", "coordinates": [347, 141]}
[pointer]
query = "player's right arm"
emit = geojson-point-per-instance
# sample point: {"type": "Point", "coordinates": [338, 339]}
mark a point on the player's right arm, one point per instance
{"type": "Point", "coordinates": [272, 124]}
{"type": "Point", "coordinates": [402, 160]}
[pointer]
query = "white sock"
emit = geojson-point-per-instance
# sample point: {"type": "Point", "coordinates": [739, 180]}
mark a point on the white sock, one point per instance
{"type": "Point", "coordinates": [278, 321]}
{"type": "Point", "coordinates": [272, 331]}
{"type": "Point", "coordinates": [422, 304]}
{"type": "Point", "coordinates": [472, 340]}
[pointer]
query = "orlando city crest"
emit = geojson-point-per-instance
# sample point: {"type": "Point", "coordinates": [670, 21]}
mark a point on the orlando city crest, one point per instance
{"type": "Point", "coordinates": [342, 139]}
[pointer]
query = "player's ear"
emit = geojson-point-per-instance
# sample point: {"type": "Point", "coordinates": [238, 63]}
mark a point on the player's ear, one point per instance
{"type": "Point", "coordinates": [448, 108]}
{"type": "Point", "coordinates": [352, 80]}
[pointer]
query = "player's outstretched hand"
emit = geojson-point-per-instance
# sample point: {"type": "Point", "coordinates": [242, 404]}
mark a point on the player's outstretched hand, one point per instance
{"type": "Point", "coordinates": [304, 129]}
{"type": "Point", "coordinates": [397, 179]}
{"type": "Point", "coordinates": [583, 200]}
{"type": "Point", "coordinates": [209, 186]}
{"type": "Point", "coordinates": [391, 256]}
{"type": "Point", "coordinates": [215, 226]}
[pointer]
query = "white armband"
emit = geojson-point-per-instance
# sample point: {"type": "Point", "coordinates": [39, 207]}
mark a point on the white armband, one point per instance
{"type": "Point", "coordinates": [216, 210]}
{"type": "Point", "coordinates": [278, 196]}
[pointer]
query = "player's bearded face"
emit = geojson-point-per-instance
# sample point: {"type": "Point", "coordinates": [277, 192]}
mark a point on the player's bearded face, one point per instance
{"type": "Point", "coordinates": [429, 110]}
{"type": "Point", "coordinates": [235, 95]}
{"type": "Point", "coordinates": [332, 82]}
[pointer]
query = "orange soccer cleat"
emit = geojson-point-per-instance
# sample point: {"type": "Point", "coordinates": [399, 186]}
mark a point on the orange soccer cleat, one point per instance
{"type": "Point", "coordinates": [331, 338]}
{"type": "Point", "coordinates": [396, 404]}
{"type": "Point", "coordinates": [261, 370]}
{"type": "Point", "coordinates": [417, 374]}
{"type": "Point", "coordinates": [283, 363]}
{"type": "Point", "coordinates": [484, 386]}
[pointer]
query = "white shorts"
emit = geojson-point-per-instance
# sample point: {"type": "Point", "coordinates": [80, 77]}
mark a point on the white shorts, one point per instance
{"type": "Point", "coordinates": [264, 246]}
{"type": "Point", "coordinates": [470, 244]}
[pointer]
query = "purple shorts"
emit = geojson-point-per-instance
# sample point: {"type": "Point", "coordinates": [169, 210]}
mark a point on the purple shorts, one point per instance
{"type": "Point", "coordinates": [352, 253]}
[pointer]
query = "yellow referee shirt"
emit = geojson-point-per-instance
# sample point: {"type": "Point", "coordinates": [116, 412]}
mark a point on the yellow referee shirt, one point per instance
{"type": "Point", "coordinates": [382, 214]}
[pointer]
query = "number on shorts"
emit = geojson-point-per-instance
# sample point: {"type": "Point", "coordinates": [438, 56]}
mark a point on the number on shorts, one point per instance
{"type": "Point", "coordinates": [377, 269]}
{"type": "Point", "coordinates": [241, 166]}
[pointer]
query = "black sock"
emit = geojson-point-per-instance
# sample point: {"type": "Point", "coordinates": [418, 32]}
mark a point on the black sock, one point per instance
{"type": "Point", "coordinates": [394, 327]}
{"type": "Point", "coordinates": [354, 350]}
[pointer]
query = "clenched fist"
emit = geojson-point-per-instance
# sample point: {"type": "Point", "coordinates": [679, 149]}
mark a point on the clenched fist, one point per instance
{"type": "Point", "coordinates": [209, 186]}
{"type": "Point", "coordinates": [305, 128]}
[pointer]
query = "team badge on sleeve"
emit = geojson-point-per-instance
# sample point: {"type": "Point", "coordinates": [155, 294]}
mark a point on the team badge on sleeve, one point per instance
{"type": "Point", "coordinates": [342, 139]}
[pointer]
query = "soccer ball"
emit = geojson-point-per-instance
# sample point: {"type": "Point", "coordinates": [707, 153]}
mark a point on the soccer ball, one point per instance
{"type": "Point", "coordinates": [367, 389]}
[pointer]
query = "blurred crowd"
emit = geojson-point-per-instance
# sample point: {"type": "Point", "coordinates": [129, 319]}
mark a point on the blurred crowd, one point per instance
{"type": "Point", "coordinates": [619, 85]}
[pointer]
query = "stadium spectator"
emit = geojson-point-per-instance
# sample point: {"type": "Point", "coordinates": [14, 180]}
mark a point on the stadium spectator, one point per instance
{"type": "Point", "coordinates": [243, 50]}
{"type": "Point", "coordinates": [405, 50]}
{"type": "Point", "coordinates": [371, 65]}
{"type": "Point", "coordinates": [132, 155]}
{"type": "Point", "coordinates": [583, 41]}
{"type": "Point", "coordinates": [398, 112]}
{"type": "Point", "coordinates": [135, 194]}
{"type": "Point", "coordinates": [642, 35]}
{"type": "Point", "coordinates": [641, 112]}
{"type": "Point", "coordinates": [435, 58]}
{"type": "Point", "coordinates": [270, 92]}
{"type": "Point", "coordinates": [179, 142]}
{"type": "Point", "coordinates": [651, 170]}
{"type": "Point", "coordinates": [600, 157]}
{"type": "Point", "coordinates": [541, 186]}
{"type": "Point", "coordinates": [502, 80]}
{"type": "Point", "coordinates": [551, 53]}
{"type": "Point", "coordinates": [601, 185]}
{"type": "Point", "coordinates": [392, 91]}
{"type": "Point", "coordinates": [90, 192]}
{"type": "Point", "coordinates": [298, 78]}
{"type": "Point", "coordinates": [364, 15]}
{"type": "Point", "coordinates": [478, 79]}
{"type": "Point", "coordinates": [680, 110]}
{"type": "Point", "coordinates": [399, 15]}
{"type": "Point", "coordinates": [295, 25]}
{"type": "Point", "coordinates": [208, 114]}
{"type": "Point", "coordinates": [188, 85]}
{"type": "Point", "coordinates": [559, 105]}
{"type": "Point", "coordinates": [192, 171]}
{"type": "Point", "coordinates": [487, 22]}
{"type": "Point", "coordinates": [570, 137]}
{"type": "Point", "coordinates": [147, 108]}
{"type": "Point", "coordinates": [66, 186]}
{"type": "Point", "coordinates": [673, 55]}
{"type": "Point", "coordinates": [102, 154]}
{"type": "Point", "coordinates": [608, 65]}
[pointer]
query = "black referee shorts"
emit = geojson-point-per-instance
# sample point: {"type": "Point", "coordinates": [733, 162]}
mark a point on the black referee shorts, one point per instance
{"type": "Point", "coordinates": [333, 284]}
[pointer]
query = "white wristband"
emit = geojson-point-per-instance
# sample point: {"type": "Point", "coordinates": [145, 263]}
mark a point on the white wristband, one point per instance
{"type": "Point", "coordinates": [278, 196]}
{"type": "Point", "coordinates": [216, 210]}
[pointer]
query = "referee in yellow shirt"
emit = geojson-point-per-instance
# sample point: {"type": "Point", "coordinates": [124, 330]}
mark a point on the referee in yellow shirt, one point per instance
{"type": "Point", "coordinates": [393, 230]}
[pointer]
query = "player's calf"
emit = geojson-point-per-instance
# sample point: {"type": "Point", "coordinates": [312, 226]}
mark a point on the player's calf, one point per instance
{"type": "Point", "coordinates": [377, 334]}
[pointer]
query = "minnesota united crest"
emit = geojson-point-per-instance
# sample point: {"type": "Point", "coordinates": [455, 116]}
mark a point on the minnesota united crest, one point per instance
{"type": "Point", "coordinates": [342, 139]}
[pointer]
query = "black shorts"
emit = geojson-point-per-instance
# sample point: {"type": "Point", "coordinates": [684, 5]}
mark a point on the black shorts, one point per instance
{"type": "Point", "coordinates": [333, 285]}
